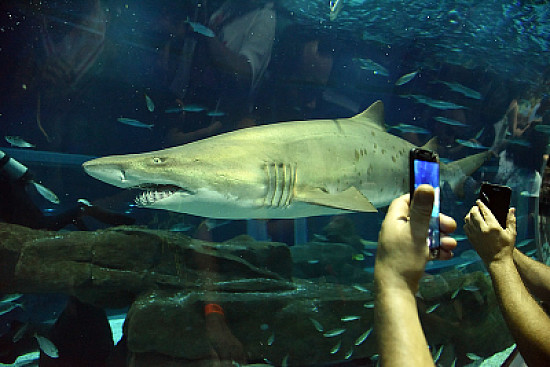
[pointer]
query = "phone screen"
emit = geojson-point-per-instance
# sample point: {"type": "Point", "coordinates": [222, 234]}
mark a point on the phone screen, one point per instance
{"type": "Point", "coordinates": [497, 199]}
{"type": "Point", "coordinates": [426, 172]}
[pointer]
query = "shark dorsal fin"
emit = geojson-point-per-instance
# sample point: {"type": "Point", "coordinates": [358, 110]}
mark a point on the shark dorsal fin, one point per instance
{"type": "Point", "coordinates": [431, 144]}
{"type": "Point", "coordinates": [374, 115]}
{"type": "Point", "coordinates": [351, 199]}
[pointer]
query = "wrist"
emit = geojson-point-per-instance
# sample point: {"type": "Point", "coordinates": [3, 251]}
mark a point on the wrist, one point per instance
{"type": "Point", "coordinates": [500, 264]}
{"type": "Point", "coordinates": [386, 278]}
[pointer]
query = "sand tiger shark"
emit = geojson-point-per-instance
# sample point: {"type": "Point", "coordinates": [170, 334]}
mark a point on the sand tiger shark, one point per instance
{"type": "Point", "coordinates": [284, 170]}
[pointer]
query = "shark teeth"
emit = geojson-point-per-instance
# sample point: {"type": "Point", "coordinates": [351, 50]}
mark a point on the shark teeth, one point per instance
{"type": "Point", "coordinates": [151, 197]}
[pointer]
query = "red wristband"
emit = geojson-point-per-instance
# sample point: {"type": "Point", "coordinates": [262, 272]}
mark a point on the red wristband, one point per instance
{"type": "Point", "coordinates": [213, 308]}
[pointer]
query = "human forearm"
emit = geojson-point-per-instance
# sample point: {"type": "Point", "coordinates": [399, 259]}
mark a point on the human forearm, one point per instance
{"type": "Point", "coordinates": [528, 323]}
{"type": "Point", "coordinates": [401, 341]}
{"type": "Point", "coordinates": [535, 275]}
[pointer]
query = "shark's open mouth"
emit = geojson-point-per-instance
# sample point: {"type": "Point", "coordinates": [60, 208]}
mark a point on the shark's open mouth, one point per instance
{"type": "Point", "coordinates": [155, 193]}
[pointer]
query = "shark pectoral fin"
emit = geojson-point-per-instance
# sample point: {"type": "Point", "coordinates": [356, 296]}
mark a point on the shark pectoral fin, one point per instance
{"type": "Point", "coordinates": [351, 199]}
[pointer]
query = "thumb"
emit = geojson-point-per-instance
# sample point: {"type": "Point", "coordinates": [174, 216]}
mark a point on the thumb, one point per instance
{"type": "Point", "coordinates": [421, 210]}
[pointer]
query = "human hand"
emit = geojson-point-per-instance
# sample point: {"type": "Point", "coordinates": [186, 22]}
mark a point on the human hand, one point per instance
{"type": "Point", "coordinates": [490, 240]}
{"type": "Point", "coordinates": [402, 250]}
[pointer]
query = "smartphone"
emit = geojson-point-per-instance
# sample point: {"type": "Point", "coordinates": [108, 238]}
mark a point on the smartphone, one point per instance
{"type": "Point", "coordinates": [424, 169]}
{"type": "Point", "coordinates": [497, 199]}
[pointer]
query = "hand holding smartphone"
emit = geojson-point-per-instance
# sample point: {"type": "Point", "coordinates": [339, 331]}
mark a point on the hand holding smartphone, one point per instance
{"type": "Point", "coordinates": [424, 169]}
{"type": "Point", "coordinates": [497, 199]}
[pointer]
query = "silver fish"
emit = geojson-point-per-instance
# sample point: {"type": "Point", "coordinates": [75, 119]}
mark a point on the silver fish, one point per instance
{"type": "Point", "coordinates": [449, 121]}
{"type": "Point", "coordinates": [406, 78]}
{"type": "Point", "coordinates": [284, 362]}
{"type": "Point", "coordinates": [271, 339]}
{"type": "Point", "coordinates": [181, 227]}
{"type": "Point", "coordinates": [47, 346]}
{"type": "Point", "coordinates": [8, 307]}
{"type": "Point", "coordinates": [201, 29]}
{"type": "Point", "coordinates": [348, 354]}
{"type": "Point", "coordinates": [150, 103]}
{"type": "Point", "coordinates": [18, 142]}
{"type": "Point", "coordinates": [473, 356]}
{"type": "Point", "coordinates": [10, 297]}
{"type": "Point", "coordinates": [317, 325]}
{"type": "Point", "coordinates": [134, 122]}
{"type": "Point", "coordinates": [333, 333]}
{"type": "Point", "coordinates": [376, 68]}
{"type": "Point", "coordinates": [215, 113]}
{"type": "Point", "coordinates": [19, 334]}
{"type": "Point", "coordinates": [470, 144]}
{"type": "Point", "coordinates": [350, 318]}
{"type": "Point", "coordinates": [455, 293]}
{"type": "Point", "coordinates": [459, 88]}
{"type": "Point", "coordinates": [336, 348]}
{"type": "Point", "coordinates": [432, 308]}
{"type": "Point", "coordinates": [471, 288]}
{"type": "Point", "coordinates": [363, 337]}
{"type": "Point", "coordinates": [438, 354]}
{"type": "Point", "coordinates": [46, 193]}
{"type": "Point", "coordinates": [335, 7]}
{"type": "Point", "coordinates": [406, 128]}
{"type": "Point", "coordinates": [545, 129]}
{"type": "Point", "coordinates": [435, 103]}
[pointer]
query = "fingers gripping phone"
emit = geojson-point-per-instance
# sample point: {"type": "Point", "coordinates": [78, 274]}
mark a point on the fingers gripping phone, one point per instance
{"type": "Point", "coordinates": [497, 199]}
{"type": "Point", "coordinates": [424, 169]}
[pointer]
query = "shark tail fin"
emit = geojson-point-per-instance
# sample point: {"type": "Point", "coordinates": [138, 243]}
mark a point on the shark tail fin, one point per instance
{"type": "Point", "coordinates": [373, 115]}
{"type": "Point", "coordinates": [456, 172]}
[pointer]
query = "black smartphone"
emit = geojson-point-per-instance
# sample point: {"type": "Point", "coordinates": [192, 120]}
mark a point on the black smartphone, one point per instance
{"type": "Point", "coordinates": [424, 169]}
{"type": "Point", "coordinates": [497, 199]}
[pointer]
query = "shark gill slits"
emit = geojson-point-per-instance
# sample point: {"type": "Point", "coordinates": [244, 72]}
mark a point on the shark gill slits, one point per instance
{"type": "Point", "coordinates": [281, 179]}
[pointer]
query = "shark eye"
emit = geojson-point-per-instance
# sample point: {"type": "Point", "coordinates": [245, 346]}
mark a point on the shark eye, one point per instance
{"type": "Point", "coordinates": [158, 160]}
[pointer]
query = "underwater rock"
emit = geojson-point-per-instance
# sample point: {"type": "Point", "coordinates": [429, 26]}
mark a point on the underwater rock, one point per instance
{"type": "Point", "coordinates": [109, 268]}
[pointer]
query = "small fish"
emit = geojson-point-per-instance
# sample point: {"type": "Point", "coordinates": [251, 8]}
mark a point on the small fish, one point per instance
{"type": "Point", "coordinates": [47, 346]}
{"type": "Point", "coordinates": [455, 293]}
{"type": "Point", "coordinates": [186, 108]}
{"type": "Point", "coordinates": [336, 348]}
{"type": "Point", "coordinates": [18, 142]}
{"type": "Point", "coordinates": [284, 362]}
{"type": "Point", "coordinates": [215, 114]}
{"type": "Point", "coordinates": [361, 288]}
{"type": "Point", "coordinates": [350, 318]}
{"type": "Point", "coordinates": [313, 262]}
{"type": "Point", "coordinates": [150, 103]}
{"type": "Point", "coordinates": [46, 193]}
{"type": "Point", "coordinates": [317, 325]}
{"type": "Point", "coordinates": [471, 288]}
{"type": "Point", "coordinates": [448, 121]}
{"type": "Point", "coordinates": [19, 334]}
{"type": "Point", "coordinates": [134, 122]}
{"type": "Point", "coordinates": [333, 333]}
{"type": "Point", "coordinates": [470, 144]}
{"type": "Point", "coordinates": [181, 227]}
{"type": "Point", "coordinates": [459, 88]}
{"type": "Point", "coordinates": [201, 29]}
{"type": "Point", "coordinates": [8, 307]}
{"type": "Point", "coordinates": [454, 363]}
{"type": "Point", "coordinates": [348, 354]}
{"type": "Point", "coordinates": [211, 223]}
{"type": "Point", "coordinates": [320, 237]}
{"type": "Point", "coordinates": [435, 103]}
{"type": "Point", "coordinates": [459, 237]}
{"type": "Point", "coordinates": [406, 128]}
{"type": "Point", "coordinates": [432, 308]}
{"type": "Point", "coordinates": [12, 297]}
{"type": "Point", "coordinates": [368, 305]}
{"type": "Point", "coordinates": [524, 243]}
{"type": "Point", "coordinates": [358, 257]}
{"type": "Point", "coordinates": [335, 7]}
{"type": "Point", "coordinates": [473, 356]}
{"type": "Point", "coordinates": [520, 142]}
{"type": "Point", "coordinates": [376, 68]}
{"type": "Point", "coordinates": [363, 337]}
{"type": "Point", "coordinates": [406, 78]}
{"type": "Point", "coordinates": [271, 339]}
{"type": "Point", "coordinates": [438, 354]}
{"type": "Point", "coordinates": [541, 128]}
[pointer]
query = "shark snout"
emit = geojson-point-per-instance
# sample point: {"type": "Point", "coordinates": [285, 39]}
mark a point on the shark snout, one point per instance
{"type": "Point", "coordinates": [110, 173]}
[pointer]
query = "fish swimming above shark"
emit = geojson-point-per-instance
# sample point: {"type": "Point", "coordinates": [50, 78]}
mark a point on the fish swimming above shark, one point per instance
{"type": "Point", "coordinates": [284, 170]}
